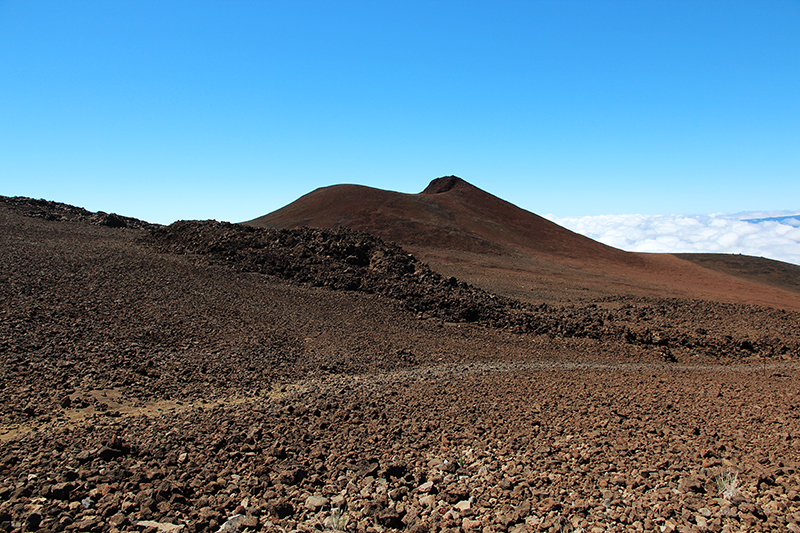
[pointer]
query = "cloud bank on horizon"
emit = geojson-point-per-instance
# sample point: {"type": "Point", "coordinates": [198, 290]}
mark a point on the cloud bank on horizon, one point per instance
{"type": "Point", "coordinates": [774, 235]}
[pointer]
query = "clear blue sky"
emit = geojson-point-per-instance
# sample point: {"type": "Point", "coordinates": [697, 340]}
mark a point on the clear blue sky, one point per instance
{"type": "Point", "coordinates": [167, 110]}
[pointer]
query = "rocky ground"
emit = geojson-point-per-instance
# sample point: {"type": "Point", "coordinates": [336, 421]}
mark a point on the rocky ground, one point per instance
{"type": "Point", "coordinates": [207, 376]}
{"type": "Point", "coordinates": [342, 259]}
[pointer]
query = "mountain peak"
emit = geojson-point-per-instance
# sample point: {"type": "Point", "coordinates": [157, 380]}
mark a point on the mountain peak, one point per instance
{"type": "Point", "coordinates": [450, 214]}
{"type": "Point", "coordinates": [444, 184]}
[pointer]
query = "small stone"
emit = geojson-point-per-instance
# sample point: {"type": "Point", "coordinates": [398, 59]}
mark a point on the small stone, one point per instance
{"type": "Point", "coordinates": [398, 493]}
{"type": "Point", "coordinates": [691, 484]}
{"type": "Point", "coordinates": [620, 481]}
{"type": "Point", "coordinates": [428, 501]}
{"type": "Point", "coordinates": [470, 524]}
{"type": "Point", "coordinates": [550, 504]}
{"type": "Point", "coordinates": [88, 523]}
{"type": "Point", "coordinates": [464, 505]}
{"type": "Point", "coordinates": [505, 484]}
{"type": "Point", "coordinates": [523, 509]}
{"type": "Point", "coordinates": [163, 527]}
{"type": "Point", "coordinates": [426, 487]}
{"type": "Point", "coordinates": [233, 523]}
{"type": "Point", "coordinates": [118, 520]}
{"type": "Point", "coordinates": [315, 503]}
{"type": "Point", "coordinates": [83, 456]}
{"type": "Point", "coordinates": [449, 467]}
{"type": "Point", "coordinates": [505, 519]}
{"type": "Point", "coordinates": [669, 526]}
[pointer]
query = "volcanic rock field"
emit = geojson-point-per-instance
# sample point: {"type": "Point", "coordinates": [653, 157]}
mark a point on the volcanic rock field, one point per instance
{"type": "Point", "coordinates": [315, 375]}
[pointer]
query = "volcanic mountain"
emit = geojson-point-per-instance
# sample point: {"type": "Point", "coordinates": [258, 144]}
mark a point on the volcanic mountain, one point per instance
{"type": "Point", "coordinates": [469, 233]}
{"type": "Point", "coordinates": [449, 214]}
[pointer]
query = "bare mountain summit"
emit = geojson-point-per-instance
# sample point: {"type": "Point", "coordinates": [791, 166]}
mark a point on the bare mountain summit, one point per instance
{"type": "Point", "coordinates": [463, 231]}
{"type": "Point", "coordinates": [450, 214]}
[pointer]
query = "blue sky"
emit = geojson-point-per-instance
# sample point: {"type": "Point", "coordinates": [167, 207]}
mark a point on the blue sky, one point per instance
{"type": "Point", "coordinates": [169, 110]}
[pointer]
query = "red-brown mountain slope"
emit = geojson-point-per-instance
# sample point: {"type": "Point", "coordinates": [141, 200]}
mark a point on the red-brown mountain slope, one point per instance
{"type": "Point", "coordinates": [464, 231]}
{"type": "Point", "coordinates": [450, 214]}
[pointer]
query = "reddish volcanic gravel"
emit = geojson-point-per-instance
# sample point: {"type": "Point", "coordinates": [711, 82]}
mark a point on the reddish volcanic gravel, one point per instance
{"type": "Point", "coordinates": [511, 447]}
{"type": "Point", "coordinates": [211, 377]}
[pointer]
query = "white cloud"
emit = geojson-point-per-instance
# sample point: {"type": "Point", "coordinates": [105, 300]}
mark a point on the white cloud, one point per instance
{"type": "Point", "coordinates": [775, 235]}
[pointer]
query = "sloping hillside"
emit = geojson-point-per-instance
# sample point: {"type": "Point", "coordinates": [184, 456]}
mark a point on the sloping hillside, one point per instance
{"type": "Point", "coordinates": [463, 231]}
{"type": "Point", "coordinates": [450, 214]}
